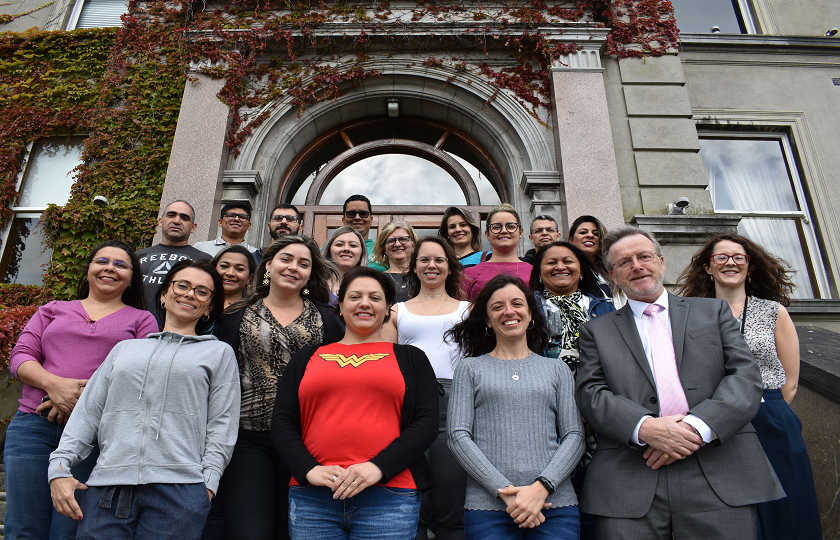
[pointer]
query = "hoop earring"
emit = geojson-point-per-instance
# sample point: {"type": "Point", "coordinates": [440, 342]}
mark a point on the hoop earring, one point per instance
{"type": "Point", "coordinates": [206, 317]}
{"type": "Point", "coordinates": [489, 332]}
{"type": "Point", "coordinates": [163, 306]}
{"type": "Point", "coordinates": [531, 325]}
{"type": "Point", "coordinates": [267, 277]}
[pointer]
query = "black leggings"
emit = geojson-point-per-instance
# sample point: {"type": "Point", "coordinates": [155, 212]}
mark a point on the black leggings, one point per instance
{"type": "Point", "coordinates": [256, 490]}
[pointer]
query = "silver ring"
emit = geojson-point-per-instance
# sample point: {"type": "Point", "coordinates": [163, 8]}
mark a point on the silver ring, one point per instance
{"type": "Point", "coordinates": [355, 482]}
{"type": "Point", "coordinates": [334, 478]}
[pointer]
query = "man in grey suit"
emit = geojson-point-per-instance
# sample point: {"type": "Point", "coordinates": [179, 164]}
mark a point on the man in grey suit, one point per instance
{"type": "Point", "coordinates": [670, 386]}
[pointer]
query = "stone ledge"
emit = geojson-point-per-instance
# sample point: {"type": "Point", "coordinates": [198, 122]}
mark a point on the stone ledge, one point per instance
{"type": "Point", "coordinates": [693, 230]}
{"type": "Point", "coordinates": [819, 352]}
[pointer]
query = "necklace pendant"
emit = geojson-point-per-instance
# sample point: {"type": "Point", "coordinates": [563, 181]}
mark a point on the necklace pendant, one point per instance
{"type": "Point", "coordinates": [515, 377]}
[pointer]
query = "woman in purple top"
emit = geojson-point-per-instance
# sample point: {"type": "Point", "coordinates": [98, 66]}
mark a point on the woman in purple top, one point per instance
{"type": "Point", "coordinates": [504, 230]}
{"type": "Point", "coordinates": [60, 348]}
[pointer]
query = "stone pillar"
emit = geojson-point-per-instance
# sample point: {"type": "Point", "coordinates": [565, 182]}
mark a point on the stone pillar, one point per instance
{"type": "Point", "coordinates": [198, 155]}
{"type": "Point", "coordinates": [582, 134]}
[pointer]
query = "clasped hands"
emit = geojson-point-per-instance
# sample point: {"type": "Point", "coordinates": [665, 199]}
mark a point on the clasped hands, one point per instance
{"type": "Point", "coordinates": [64, 394]}
{"type": "Point", "coordinates": [343, 482]}
{"type": "Point", "coordinates": [668, 438]}
{"type": "Point", "coordinates": [525, 504]}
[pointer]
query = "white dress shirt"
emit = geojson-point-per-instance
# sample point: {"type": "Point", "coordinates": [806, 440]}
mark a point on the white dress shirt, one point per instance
{"type": "Point", "coordinates": [638, 309]}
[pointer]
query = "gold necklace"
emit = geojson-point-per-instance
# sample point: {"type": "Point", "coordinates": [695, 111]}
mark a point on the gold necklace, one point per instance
{"type": "Point", "coordinates": [439, 309]}
{"type": "Point", "coordinates": [499, 270]}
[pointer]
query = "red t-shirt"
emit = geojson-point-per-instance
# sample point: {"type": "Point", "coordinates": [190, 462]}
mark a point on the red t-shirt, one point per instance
{"type": "Point", "coordinates": [351, 399]}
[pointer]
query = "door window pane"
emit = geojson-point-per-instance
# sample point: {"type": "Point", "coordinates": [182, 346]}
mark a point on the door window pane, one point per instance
{"type": "Point", "coordinates": [23, 260]}
{"type": "Point", "coordinates": [399, 179]}
{"type": "Point", "coordinates": [49, 176]}
{"type": "Point", "coordinates": [699, 17]}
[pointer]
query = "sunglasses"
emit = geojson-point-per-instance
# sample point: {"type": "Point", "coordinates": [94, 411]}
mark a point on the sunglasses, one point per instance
{"type": "Point", "coordinates": [351, 214]}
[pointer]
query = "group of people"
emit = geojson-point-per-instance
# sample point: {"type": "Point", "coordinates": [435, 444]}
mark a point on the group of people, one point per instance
{"type": "Point", "coordinates": [388, 388]}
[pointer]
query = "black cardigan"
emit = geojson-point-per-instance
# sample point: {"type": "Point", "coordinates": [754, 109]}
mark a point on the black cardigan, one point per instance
{"type": "Point", "coordinates": [227, 329]}
{"type": "Point", "coordinates": [418, 419]}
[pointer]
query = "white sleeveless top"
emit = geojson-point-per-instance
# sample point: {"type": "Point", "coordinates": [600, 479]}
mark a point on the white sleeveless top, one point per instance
{"type": "Point", "coordinates": [426, 333]}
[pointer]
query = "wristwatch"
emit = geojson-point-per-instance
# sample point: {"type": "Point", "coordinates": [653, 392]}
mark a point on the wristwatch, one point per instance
{"type": "Point", "coordinates": [546, 484]}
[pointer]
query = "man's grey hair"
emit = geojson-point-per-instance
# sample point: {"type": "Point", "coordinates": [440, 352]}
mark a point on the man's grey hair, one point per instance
{"type": "Point", "coordinates": [544, 217]}
{"type": "Point", "coordinates": [179, 200]}
{"type": "Point", "coordinates": [621, 233]}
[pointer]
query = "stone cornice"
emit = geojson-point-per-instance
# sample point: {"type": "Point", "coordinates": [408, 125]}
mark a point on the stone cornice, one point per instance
{"type": "Point", "coordinates": [764, 43]}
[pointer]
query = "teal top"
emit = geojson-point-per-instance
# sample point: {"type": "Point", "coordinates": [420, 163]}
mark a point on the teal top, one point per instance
{"type": "Point", "coordinates": [371, 263]}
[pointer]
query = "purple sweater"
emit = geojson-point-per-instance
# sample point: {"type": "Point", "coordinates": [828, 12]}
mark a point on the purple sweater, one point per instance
{"type": "Point", "coordinates": [477, 277]}
{"type": "Point", "coordinates": [60, 338]}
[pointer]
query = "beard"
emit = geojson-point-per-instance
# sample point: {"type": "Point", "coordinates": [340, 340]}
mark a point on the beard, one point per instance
{"type": "Point", "coordinates": [633, 292]}
{"type": "Point", "coordinates": [279, 232]}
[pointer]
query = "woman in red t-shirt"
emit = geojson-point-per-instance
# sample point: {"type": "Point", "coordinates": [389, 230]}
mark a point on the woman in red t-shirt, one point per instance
{"type": "Point", "coordinates": [352, 420]}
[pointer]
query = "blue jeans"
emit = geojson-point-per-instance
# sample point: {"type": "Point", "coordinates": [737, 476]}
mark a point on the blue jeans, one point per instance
{"type": "Point", "coordinates": [29, 511]}
{"type": "Point", "coordinates": [562, 523]}
{"type": "Point", "coordinates": [377, 513]}
{"type": "Point", "coordinates": [153, 511]}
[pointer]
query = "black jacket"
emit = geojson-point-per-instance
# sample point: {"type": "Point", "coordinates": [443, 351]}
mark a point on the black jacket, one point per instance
{"type": "Point", "coordinates": [418, 419]}
{"type": "Point", "coordinates": [227, 329]}
{"type": "Point", "coordinates": [529, 256]}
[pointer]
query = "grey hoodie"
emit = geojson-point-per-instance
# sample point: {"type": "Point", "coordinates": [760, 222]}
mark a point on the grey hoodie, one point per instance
{"type": "Point", "coordinates": [164, 409]}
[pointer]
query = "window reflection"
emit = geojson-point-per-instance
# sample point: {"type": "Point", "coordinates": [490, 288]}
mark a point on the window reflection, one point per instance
{"type": "Point", "coordinates": [49, 176]}
{"type": "Point", "coordinates": [699, 17]}
{"type": "Point", "coordinates": [399, 179]}
{"type": "Point", "coordinates": [23, 258]}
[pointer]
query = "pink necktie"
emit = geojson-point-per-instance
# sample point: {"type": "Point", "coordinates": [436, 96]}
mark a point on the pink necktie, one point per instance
{"type": "Point", "coordinates": [671, 395]}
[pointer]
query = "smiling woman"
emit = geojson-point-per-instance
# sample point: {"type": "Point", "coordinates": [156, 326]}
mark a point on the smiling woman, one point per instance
{"type": "Point", "coordinates": [288, 310]}
{"type": "Point", "coordinates": [236, 265]}
{"type": "Point", "coordinates": [374, 454]}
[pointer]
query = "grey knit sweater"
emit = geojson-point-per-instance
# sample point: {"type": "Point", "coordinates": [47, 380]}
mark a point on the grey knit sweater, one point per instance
{"type": "Point", "coordinates": [506, 431]}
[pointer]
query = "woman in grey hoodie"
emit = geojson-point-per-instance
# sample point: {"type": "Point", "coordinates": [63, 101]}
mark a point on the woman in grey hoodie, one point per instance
{"type": "Point", "coordinates": [163, 451]}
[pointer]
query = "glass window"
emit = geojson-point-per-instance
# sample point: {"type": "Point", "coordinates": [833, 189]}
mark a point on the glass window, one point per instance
{"type": "Point", "coordinates": [399, 179]}
{"type": "Point", "coordinates": [97, 14]}
{"type": "Point", "coordinates": [731, 16]}
{"type": "Point", "coordinates": [754, 176]}
{"type": "Point", "coordinates": [46, 180]}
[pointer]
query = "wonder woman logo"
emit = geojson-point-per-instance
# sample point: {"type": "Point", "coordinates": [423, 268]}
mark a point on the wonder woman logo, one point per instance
{"type": "Point", "coordinates": [352, 360]}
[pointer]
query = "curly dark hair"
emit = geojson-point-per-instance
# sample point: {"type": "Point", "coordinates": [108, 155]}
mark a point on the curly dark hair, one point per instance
{"type": "Point", "coordinates": [133, 296]}
{"type": "Point", "coordinates": [588, 283]}
{"type": "Point", "coordinates": [217, 300]}
{"type": "Point", "coordinates": [770, 278]}
{"type": "Point", "coordinates": [456, 269]}
{"type": "Point", "coordinates": [470, 334]}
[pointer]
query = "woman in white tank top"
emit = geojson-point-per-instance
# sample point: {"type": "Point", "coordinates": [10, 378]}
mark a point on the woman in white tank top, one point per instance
{"type": "Point", "coordinates": [434, 278]}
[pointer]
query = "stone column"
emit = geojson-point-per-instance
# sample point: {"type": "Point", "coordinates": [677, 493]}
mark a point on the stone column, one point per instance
{"type": "Point", "coordinates": [582, 134]}
{"type": "Point", "coordinates": [198, 155]}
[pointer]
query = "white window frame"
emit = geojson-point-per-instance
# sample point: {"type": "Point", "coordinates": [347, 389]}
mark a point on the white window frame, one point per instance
{"type": "Point", "coordinates": [808, 237]}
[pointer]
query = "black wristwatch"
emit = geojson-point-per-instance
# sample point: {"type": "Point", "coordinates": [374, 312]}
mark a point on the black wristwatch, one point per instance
{"type": "Point", "coordinates": [546, 484]}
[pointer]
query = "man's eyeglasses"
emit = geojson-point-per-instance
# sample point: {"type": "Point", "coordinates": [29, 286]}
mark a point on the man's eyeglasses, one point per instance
{"type": "Point", "coordinates": [201, 293]}
{"type": "Point", "coordinates": [550, 230]}
{"type": "Point", "coordinates": [497, 227]}
{"type": "Point", "coordinates": [438, 260]}
{"type": "Point", "coordinates": [184, 217]}
{"type": "Point", "coordinates": [645, 257]}
{"type": "Point", "coordinates": [400, 239]}
{"type": "Point", "coordinates": [351, 214]}
{"type": "Point", "coordinates": [289, 218]}
{"type": "Point", "coordinates": [118, 265]}
{"type": "Point", "coordinates": [722, 258]}
{"type": "Point", "coordinates": [234, 215]}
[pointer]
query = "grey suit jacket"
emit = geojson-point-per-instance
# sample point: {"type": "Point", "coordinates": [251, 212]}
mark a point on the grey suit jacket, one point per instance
{"type": "Point", "coordinates": [722, 383]}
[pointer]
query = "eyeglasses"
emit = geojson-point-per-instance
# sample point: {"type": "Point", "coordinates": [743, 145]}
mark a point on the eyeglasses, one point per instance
{"type": "Point", "coordinates": [290, 219]}
{"type": "Point", "coordinates": [118, 265]}
{"type": "Point", "coordinates": [438, 260]}
{"type": "Point", "coordinates": [645, 257]}
{"type": "Point", "coordinates": [497, 227]}
{"type": "Point", "coordinates": [182, 287]}
{"type": "Point", "coordinates": [400, 239]}
{"type": "Point", "coordinates": [234, 215]}
{"type": "Point", "coordinates": [550, 230]}
{"type": "Point", "coordinates": [184, 217]}
{"type": "Point", "coordinates": [722, 258]}
{"type": "Point", "coordinates": [351, 214]}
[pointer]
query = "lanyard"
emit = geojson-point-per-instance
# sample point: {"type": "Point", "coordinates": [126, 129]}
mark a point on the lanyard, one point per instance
{"type": "Point", "coordinates": [744, 314]}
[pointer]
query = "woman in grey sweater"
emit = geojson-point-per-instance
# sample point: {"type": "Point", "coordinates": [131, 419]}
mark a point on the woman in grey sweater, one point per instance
{"type": "Point", "coordinates": [165, 411]}
{"type": "Point", "coordinates": [513, 423]}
